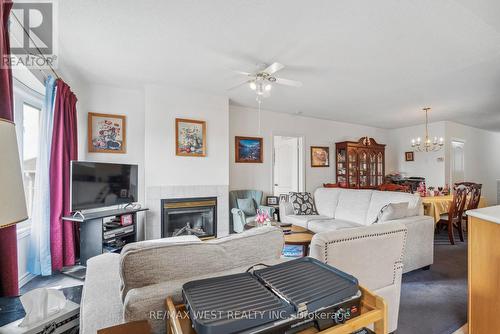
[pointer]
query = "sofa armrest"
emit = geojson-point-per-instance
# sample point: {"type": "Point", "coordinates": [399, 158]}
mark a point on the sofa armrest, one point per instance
{"type": "Point", "coordinates": [239, 220]}
{"type": "Point", "coordinates": [419, 249]}
{"type": "Point", "coordinates": [370, 253]}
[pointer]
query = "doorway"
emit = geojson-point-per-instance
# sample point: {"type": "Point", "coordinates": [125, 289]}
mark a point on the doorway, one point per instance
{"type": "Point", "coordinates": [457, 161]}
{"type": "Point", "coordinates": [288, 165]}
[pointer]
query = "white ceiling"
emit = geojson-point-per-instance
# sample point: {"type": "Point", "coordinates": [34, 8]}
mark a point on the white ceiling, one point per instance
{"type": "Point", "coordinates": [369, 62]}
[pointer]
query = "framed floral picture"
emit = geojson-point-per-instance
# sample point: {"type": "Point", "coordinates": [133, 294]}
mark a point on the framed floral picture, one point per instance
{"type": "Point", "coordinates": [106, 133]}
{"type": "Point", "coordinates": [190, 138]}
{"type": "Point", "coordinates": [248, 149]}
{"type": "Point", "coordinates": [320, 156]}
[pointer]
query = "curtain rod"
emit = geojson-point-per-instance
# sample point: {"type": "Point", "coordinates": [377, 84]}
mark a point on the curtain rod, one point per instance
{"type": "Point", "coordinates": [36, 46]}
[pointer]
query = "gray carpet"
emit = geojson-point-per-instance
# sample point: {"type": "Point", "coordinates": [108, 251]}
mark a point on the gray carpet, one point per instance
{"type": "Point", "coordinates": [435, 301]}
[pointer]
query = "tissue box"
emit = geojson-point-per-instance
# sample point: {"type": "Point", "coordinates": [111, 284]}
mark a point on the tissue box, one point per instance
{"type": "Point", "coordinates": [66, 319]}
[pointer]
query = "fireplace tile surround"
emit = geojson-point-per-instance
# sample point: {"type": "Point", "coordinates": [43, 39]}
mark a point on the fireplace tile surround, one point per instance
{"type": "Point", "coordinates": [154, 195]}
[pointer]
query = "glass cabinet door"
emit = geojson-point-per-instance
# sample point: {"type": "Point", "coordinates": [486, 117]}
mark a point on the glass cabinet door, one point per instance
{"type": "Point", "coordinates": [342, 167]}
{"type": "Point", "coordinates": [373, 169]}
{"type": "Point", "coordinates": [363, 169]}
{"type": "Point", "coordinates": [380, 168]}
{"type": "Point", "coordinates": [353, 169]}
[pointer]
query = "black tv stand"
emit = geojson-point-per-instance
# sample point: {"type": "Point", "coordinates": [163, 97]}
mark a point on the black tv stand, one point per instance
{"type": "Point", "coordinates": [96, 239]}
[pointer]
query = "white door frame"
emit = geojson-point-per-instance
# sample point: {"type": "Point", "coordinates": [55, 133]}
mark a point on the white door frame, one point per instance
{"type": "Point", "coordinates": [302, 158]}
{"type": "Point", "coordinates": [459, 140]}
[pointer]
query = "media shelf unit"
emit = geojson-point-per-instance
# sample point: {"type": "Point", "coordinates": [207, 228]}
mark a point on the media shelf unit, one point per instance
{"type": "Point", "coordinates": [93, 237]}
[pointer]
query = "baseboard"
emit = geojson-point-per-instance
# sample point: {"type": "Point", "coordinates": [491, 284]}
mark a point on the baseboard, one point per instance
{"type": "Point", "coordinates": [25, 279]}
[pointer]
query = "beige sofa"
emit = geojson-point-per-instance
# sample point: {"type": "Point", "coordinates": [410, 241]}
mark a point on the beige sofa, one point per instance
{"type": "Point", "coordinates": [340, 208]}
{"type": "Point", "coordinates": [373, 254]}
{"type": "Point", "coordinates": [133, 285]}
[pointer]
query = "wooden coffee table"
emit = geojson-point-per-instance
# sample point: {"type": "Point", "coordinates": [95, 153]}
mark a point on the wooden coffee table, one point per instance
{"type": "Point", "coordinates": [299, 236]}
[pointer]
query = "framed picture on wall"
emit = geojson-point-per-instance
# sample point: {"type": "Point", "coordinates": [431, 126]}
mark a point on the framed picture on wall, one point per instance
{"type": "Point", "coordinates": [190, 138]}
{"type": "Point", "coordinates": [248, 149]}
{"type": "Point", "coordinates": [320, 156]}
{"type": "Point", "coordinates": [409, 156]}
{"type": "Point", "coordinates": [106, 133]}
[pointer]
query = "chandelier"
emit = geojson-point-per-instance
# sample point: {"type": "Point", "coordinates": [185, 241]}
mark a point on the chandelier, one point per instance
{"type": "Point", "coordinates": [427, 145]}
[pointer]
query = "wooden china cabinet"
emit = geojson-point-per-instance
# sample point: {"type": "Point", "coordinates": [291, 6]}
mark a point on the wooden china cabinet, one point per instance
{"type": "Point", "coordinates": [360, 164]}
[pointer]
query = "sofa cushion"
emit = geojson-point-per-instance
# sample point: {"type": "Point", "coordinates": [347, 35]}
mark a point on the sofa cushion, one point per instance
{"type": "Point", "coordinates": [353, 205]}
{"type": "Point", "coordinates": [326, 200]}
{"type": "Point", "coordinates": [303, 220]}
{"type": "Point", "coordinates": [247, 205]}
{"type": "Point", "coordinates": [303, 203]}
{"type": "Point", "coordinates": [382, 198]}
{"type": "Point", "coordinates": [318, 226]}
{"type": "Point", "coordinates": [392, 211]}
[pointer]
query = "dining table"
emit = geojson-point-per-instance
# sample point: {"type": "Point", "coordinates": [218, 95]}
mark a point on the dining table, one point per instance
{"type": "Point", "coordinates": [435, 206]}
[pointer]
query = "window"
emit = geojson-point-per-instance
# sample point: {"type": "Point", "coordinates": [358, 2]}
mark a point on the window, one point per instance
{"type": "Point", "coordinates": [31, 129]}
{"type": "Point", "coordinates": [27, 115]}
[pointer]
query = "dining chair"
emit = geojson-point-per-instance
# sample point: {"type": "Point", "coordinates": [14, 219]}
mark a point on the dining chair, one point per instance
{"type": "Point", "coordinates": [473, 198]}
{"type": "Point", "coordinates": [453, 219]}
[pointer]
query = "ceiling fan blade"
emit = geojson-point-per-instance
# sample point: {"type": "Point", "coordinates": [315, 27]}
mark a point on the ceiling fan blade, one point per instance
{"type": "Point", "coordinates": [240, 84]}
{"type": "Point", "coordinates": [273, 68]}
{"type": "Point", "coordinates": [243, 73]}
{"type": "Point", "coordinates": [288, 82]}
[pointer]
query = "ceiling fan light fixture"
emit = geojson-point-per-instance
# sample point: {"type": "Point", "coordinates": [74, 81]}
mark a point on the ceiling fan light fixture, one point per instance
{"type": "Point", "coordinates": [268, 87]}
{"type": "Point", "coordinates": [252, 85]}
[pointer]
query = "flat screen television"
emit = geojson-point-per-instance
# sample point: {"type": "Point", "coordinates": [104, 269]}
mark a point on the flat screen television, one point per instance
{"type": "Point", "coordinates": [97, 185]}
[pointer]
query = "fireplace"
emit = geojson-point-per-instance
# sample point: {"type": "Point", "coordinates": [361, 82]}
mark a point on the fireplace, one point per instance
{"type": "Point", "coordinates": [189, 216]}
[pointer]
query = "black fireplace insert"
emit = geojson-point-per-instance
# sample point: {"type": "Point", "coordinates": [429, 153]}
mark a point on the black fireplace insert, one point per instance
{"type": "Point", "coordinates": [189, 216]}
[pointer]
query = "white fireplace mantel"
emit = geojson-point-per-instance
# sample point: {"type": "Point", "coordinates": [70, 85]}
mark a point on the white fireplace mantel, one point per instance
{"type": "Point", "coordinates": [154, 195]}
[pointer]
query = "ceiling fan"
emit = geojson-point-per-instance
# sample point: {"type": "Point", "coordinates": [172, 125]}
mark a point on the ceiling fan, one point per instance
{"type": "Point", "coordinates": [262, 81]}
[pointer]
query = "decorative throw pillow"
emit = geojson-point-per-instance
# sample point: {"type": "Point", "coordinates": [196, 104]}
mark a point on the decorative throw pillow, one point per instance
{"type": "Point", "coordinates": [302, 203]}
{"type": "Point", "coordinates": [392, 211]}
{"type": "Point", "coordinates": [247, 205]}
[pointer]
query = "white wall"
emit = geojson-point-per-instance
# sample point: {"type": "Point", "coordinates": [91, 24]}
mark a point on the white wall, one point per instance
{"type": "Point", "coordinates": [430, 165]}
{"type": "Point", "coordinates": [163, 167]}
{"type": "Point", "coordinates": [482, 158]}
{"type": "Point", "coordinates": [316, 132]}
{"type": "Point", "coordinates": [482, 161]}
{"type": "Point", "coordinates": [171, 176]}
{"type": "Point", "coordinates": [151, 114]}
{"type": "Point", "coordinates": [113, 100]}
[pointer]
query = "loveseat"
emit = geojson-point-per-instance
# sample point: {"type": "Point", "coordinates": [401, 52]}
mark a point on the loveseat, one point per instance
{"type": "Point", "coordinates": [340, 208]}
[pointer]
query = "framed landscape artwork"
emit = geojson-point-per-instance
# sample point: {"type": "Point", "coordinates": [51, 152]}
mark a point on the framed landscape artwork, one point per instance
{"type": "Point", "coordinates": [190, 138]}
{"type": "Point", "coordinates": [248, 149]}
{"type": "Point", "coordinates": [320, 156]}
{"type": "Point", "coordinates": [106, 133]}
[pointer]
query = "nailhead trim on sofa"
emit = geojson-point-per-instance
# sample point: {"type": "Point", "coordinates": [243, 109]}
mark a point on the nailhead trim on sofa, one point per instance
{"type": "Point", "coordinates": [397, 265]}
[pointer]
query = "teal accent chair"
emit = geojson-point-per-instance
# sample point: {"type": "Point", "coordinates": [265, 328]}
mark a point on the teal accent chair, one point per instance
{"type": "Point", "coordinates": [237, 218]}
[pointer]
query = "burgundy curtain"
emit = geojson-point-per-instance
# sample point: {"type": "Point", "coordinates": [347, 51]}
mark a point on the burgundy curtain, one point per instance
{"type": "Point", "coordinates": [6, 99]}
{"type": "Point", "coordinates": [63, 234]}
{"type": "Point", "coordinates": [9, 285]}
